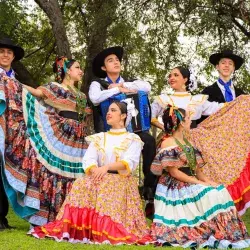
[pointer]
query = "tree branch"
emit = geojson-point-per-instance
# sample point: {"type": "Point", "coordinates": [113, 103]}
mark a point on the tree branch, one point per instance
{"type": "Point", "coordinates": [242, 29]}
{"type": "Point", "coordinates": [47, 58]}
{"type": "Point", "coordinates": [79, 7]}
{"type": "Point", "coordinates": [42, 47]}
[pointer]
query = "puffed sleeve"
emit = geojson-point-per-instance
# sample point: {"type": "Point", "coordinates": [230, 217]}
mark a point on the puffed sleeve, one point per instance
{"type": "Point", "coordinates": [156, 167]}
{"type": "Point", "coordinates": [165, 158]}
{"type": "Point", "coordinates": [131, 157]}
{"type": "Point", "coordinates": [209, 108]}
{"type": "Point", "coordinates": [170, 158]}
{"type": "Point", "coordinates": [90, 158]}
{"type": "Point", "coordinates": [156, 110]}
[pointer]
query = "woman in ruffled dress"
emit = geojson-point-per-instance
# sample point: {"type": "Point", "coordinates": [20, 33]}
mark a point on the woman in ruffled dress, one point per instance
{"type": "Point", "coordinates": [190, 209]}
{"type": "Point", "coordinates": [104, 206]}
{"type": "Point", "coordinates": [182, 81]}
{"type": "Point", "coordinates": [226, 131]}
{"type": "Point", "coordinates": [45, 131]}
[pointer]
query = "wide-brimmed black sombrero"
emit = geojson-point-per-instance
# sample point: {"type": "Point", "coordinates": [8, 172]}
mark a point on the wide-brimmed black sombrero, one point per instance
{"type": "Point", "coordinates": [215, 58]}
{"type": "Point", "coordinates": [6, 42]}
{"type": "Point", "coordinates": [98, 61]}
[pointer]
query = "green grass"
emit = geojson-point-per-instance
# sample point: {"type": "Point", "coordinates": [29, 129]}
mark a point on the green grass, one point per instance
{"type": "Point", "coordinates": [16, 239]}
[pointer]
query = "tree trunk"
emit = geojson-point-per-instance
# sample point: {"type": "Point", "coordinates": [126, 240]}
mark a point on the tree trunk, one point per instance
{"type": "Point", "coordinates": [54, 13]}
{"type": "Point", "coordinates": [103, 13]}
{"type": "Point", "coordinates": [23, 75]}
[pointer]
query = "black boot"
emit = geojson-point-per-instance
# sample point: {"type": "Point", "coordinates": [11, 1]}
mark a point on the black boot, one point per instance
{"type": "Point", "coordinates": [2, 226]}
{"type": "Point", "coordinates": [6, 224]}
{"type": "Point", "coordinates": [148, 194]}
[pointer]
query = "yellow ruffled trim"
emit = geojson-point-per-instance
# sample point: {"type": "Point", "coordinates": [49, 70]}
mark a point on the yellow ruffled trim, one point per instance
{"type": "Point", "coordinates": [159, 100]}
{"type": "Point", "coordinates": [117, 133]}
{"type": "Point", "coordinates": [154, 120]}
{"type": "Point", "coordinates": [89, 168]}
{"type": "Point", "coordinates": [121, 172]}
{"type": "Point", "coordinates": [181, 94]}
{"type": "Point", "coordinates": [225, 104]}
{"type": "Point", "coordinates": [125, 144]}
{"type": "Point", "coordinates": [244, 191]}
{"type": "Point", "coordinates": [94, 138]}
{"type": "Point", "coordinates": [97, 140]}
{"type": "Point", "coordinates": [92, 231]}
{"type": "Point", "coordinates": [195, 101]}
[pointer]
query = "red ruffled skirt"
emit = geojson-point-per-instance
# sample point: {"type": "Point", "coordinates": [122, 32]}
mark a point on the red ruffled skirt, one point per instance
{"type": "Point", "coordinates": [109, 211]}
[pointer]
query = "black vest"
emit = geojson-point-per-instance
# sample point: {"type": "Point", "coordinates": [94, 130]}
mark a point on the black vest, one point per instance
{"type": "Point", "coordinates": [97, 117]}
{"type": "Point", "coordinates": [215, 95]}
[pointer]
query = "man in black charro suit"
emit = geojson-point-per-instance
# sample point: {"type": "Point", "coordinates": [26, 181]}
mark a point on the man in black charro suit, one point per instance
{"type": "Point", "coordinates": [223, 90]}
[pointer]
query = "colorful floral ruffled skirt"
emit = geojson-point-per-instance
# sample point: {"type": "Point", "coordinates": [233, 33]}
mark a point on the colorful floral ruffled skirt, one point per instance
{"type": "Point", "coordinates": [224, 140]}
{"type": "Point", "coordinates": [191, 215]}
{"type": "Point", "coordinates": [109, 211]}
{"type": "Point", "coordinates": [43, 153]}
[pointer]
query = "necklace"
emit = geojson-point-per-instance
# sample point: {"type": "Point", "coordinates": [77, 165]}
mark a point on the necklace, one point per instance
{"type": "Point", "coordinates": [81, 102]}
{"type": "Point", "coordinates": [188, 149]}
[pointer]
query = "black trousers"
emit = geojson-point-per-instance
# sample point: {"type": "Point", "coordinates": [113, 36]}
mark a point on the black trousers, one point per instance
{"type": "Point", "coordinates": [4, 204]}
{"type": "Point", "coordinates": [148, 154]}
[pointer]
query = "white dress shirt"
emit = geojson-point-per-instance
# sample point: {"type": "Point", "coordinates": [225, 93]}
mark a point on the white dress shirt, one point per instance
{"type": "Point", "coordinates": [97, 95]}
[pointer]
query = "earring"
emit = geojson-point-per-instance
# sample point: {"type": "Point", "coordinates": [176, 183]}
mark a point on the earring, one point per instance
{"type": "Point", "coordinates": [186, 133]}
{"type": "Point", "coordinates": [67, 77]}
{"type": "Point", "coordinates": [183, 87]}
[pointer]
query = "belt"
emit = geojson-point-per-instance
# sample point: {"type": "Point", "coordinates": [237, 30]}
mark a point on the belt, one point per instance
{"type": "Point", "coordinates": [112, 171]}
{"type": "Point", "coordinates": [186, 170]}
{"type": "Point", "coordinates": [69, 114]}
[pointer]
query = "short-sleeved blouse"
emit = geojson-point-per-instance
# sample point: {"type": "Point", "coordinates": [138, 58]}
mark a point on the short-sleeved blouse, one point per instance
{"type": "Point", "coordinates": [173, 157]}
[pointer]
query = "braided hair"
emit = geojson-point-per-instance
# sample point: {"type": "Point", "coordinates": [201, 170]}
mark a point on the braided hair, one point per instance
{"type": "Point", "coordinates": [172, 117]}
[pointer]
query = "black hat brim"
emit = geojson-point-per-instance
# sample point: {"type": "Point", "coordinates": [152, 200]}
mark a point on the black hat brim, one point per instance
{"type": "Point", "coordinates": [18, 51]}
{"type": "Point", "coordinates": [215, 58]}
{"type": "Point", "coordinates": [98, 61]}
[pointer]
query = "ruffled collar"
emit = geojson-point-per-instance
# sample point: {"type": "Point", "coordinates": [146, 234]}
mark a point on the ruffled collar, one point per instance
{"type": "Point", "coordinates": [181, 94]}
{"type": "Point", "coordinates": [117, 131]}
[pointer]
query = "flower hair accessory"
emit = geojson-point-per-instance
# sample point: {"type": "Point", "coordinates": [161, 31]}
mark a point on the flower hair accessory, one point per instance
{"type": "Point", "coordinates": [61, 67]}
{"type": "Point", "coordinates": [175, 114]}
{"type": "Point", "coordinates": [131, 111]}
{"type": "Point", "coordinates": [192, 80]}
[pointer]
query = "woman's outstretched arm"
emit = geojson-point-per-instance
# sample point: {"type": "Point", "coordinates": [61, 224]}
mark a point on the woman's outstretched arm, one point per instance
{"type": "Point", "coordinates": [34, 92]}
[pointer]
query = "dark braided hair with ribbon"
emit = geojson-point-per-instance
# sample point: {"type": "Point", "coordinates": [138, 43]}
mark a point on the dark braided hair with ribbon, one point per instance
{"type": "Point", "coordinates": [172, 117]}
{"type": "Point", "coordinates": [61, 66]}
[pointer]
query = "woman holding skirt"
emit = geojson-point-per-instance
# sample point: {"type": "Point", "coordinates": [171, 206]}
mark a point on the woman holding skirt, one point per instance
{"type": "Point", "coordinates": [190, 209]}
{"type": "Point", "coordinates": [44, 131]}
